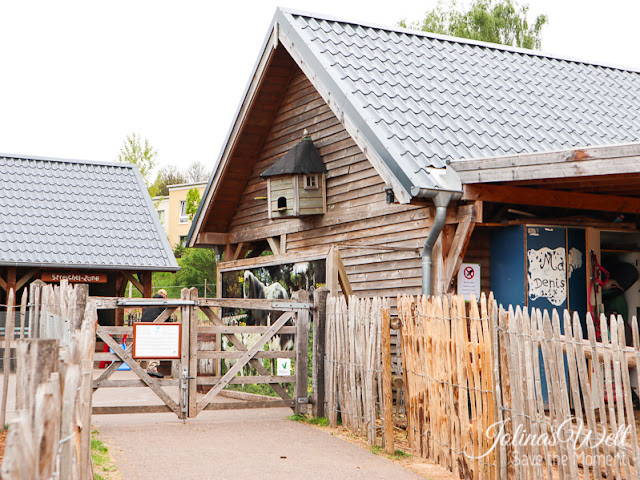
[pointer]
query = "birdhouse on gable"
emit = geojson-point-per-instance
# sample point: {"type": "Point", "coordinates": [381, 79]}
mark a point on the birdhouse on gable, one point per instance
{"type": "Point", "coordinates": [296, 182]}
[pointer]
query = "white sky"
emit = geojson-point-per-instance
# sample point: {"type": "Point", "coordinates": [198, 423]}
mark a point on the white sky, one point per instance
{"type": "Point", "coordinates": [77, 77]}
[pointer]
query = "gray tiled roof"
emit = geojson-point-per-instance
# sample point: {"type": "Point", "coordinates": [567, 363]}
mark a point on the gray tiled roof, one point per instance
{"type": "Point", "coordinates": [430, 99]}
{"type": "Point", "coordinates": [67, 213]}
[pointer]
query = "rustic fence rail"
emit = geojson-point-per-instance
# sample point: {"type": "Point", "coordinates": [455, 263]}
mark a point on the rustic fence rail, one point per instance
{"type": "Point", "coordinates": [50, 436]}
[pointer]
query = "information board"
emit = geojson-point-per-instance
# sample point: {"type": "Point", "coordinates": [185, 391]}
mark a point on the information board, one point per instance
{"type": "Point", "coordinates": [156, 340]}
{"type": "Point", "coordinates": [469, 280]}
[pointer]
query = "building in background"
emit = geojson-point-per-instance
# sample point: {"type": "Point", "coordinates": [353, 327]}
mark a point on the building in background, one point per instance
{"type": "Point", "coordinates": [87, 222]}
{"type": "Point", "coordinates": [162, 207]}
{"type": "Point", "coordinates": [172, 211]}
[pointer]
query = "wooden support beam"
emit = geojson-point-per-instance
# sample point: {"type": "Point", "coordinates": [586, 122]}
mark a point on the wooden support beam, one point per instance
{"type": "Point", "coordinates": [456, 252]}
{"type": "Point", "coordinates": [3, 284]}
{"type": "Point", "coordinates": [336, 274]}
{"type": "Point", "coordinates": [11, 278]}
{"type": "Point", "coordinates": [228, 252]}
{"type": "Point", "coordinates": [283, 244]}
{"type": "Point", "coordinates": [136, 283]}
{"type": "Point", "coordinates": [274, 244]}
{"type": "Point", "coordinates": [147, 286]}
{"type": "Point", "coordinates": [293, 257]}
{"type": "Point", "coordinates": [25, 278]}
{"type": "Point", "coordinates": [342, 277]}
{"type": "Point", "coordinates": [212, 238]}
{"type": "Point", "coordinates": [550, 198]}
{"type": "Point", "coordinates": [240, 251]}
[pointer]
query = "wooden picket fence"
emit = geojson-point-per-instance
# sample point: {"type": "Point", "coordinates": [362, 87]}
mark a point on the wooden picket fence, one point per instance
{"type": "Point", "coordinates": [50, 436]}
{"type": "Point", "coordinates": [588, 392]}
{"type": "Point", "coordinates": [494, 393]}
{"type": "Point", "coordinates": [449, 382]}
{"type": "Point", "coordinates": [353, 364]}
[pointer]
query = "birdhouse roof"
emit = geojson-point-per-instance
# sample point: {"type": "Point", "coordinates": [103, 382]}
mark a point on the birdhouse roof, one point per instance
{"type": "Point", "coordinates": [302, 158]}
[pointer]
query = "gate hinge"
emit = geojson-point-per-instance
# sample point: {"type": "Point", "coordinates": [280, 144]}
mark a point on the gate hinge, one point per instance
{"type": "Point", "coordinates": [303, 400]}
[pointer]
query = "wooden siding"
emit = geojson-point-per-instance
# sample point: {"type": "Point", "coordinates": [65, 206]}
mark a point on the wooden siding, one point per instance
{"type": "Point", "coordinates": [379, 243]}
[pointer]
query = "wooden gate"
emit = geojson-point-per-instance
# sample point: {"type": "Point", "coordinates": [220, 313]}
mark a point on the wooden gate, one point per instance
{"type": "Point", "coordinates": [187, 403]}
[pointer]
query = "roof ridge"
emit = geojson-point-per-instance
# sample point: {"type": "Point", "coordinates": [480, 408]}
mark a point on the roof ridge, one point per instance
{"type": "Point", "coordinates": [65, 160]}
{"type": "Point", "coordinates": [451, 39]}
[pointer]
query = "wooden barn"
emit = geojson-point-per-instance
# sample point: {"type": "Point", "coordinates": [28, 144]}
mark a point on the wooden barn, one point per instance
{"type": "Point", "coordinates": [426, 152]}
{"type": "Point", "coordinates": [88, 222]}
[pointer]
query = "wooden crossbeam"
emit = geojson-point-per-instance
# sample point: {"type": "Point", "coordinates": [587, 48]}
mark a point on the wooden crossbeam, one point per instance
{"type": "Point", "coordinates": [550, 198]}
{"type": "Point", "coordinates": [274, 245]}
{"type": "Point", "coordinates": [164, 316]}
{"type": "Point", "coordinates": [337, 274]}
{"type": "Point", "coordinates": [25, 278]}
{"type": "Point", "coordinates": [136, 283]}
{"type": "Point", "coordinates": [224, 381]}
{"type": "Point", "coordinates": [456, 252]}
{"type": "Point", "coordinates": [213, 238]}
{"type": "Point", "coordinates": [240, 251]}
{"type": "Point", "coordinates": [237, 343]}
{"type": "Point", "coordinates": [144, 376]}
{"type": "Point", "coordinates": [3, 284]}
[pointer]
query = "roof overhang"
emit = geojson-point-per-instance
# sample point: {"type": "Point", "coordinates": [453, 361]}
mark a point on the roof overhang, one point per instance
{"type": "Point", "coordinates": [574, 162]}
{"type": "Point", "coordinates": [76, 266]}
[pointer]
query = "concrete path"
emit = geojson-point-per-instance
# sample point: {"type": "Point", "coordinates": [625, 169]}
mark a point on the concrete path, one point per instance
{"type": "Point", "coordinates": [235, 444]}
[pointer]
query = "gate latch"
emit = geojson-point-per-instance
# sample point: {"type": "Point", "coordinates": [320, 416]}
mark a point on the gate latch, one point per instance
{"type": "Point", "coordinates": [303, 400]}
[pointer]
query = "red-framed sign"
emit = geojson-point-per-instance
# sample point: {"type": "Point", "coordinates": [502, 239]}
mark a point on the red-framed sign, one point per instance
{"type": "Point", "coordinates": [74, 277]}
{"type": "Point", "coordinates": [161, 341]}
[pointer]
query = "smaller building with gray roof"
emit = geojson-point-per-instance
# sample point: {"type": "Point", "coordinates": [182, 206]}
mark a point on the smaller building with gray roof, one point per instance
{"type": "Point", "coordinates": [69, 218]}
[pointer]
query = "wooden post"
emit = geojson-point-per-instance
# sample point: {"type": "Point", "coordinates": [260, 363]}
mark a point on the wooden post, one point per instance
{"type": "Point", "coordinates": [87, 346]}
{"type": "Point", "coordinates": [302, 360]}
{"type": "Point", "coordinates": [23, 312]}
{"type": "Point", "coordinates": [332, 271]}
{"type": "Point", "coordinates": [145, 277]}
{"type": "Point", "coordinates": [185, 317]}
{"type": "Point", "coordinates": [501, 455]}
{"type": "Point", "coordinates": [6, 359]}
{"type": "Point", "coordinates": [121, 287]}
{"type": "Point", "coordinates": [37, 360]}
{"type": "Point", "coordinates": [35, 294]}
{"type": "Point", "coordinates": [219, 313]}
{"type": "Point", "coordinates": [387, 389]}
{"type": "Point", "coordinates": [81, 294]}
{"type": "Point", "coordinates": [319, 347]}
{"type": "Point", "coordinates": [193, 355]}
{"type": "Point", "coordinates": [69, 467]}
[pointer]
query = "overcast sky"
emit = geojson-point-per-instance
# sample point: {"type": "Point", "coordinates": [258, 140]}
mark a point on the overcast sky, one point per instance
{"type": "Point", "coordinates": [77, 77]}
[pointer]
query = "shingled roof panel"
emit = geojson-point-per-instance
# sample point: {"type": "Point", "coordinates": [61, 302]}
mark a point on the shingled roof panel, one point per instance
{"type": "Point", "coordinates": [68, 213]}
{"type": "Point", "coordinates": [488, 100]}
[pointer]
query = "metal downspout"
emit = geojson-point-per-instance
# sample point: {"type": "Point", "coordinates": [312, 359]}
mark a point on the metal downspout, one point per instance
{"type": "Point", "coordinates": [441, 201]}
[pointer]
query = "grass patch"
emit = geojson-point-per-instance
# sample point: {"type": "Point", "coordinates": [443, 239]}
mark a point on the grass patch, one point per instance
{"type": "Point", "coordinates": [397, 455]}
{"type": "Point", "coordinates": [375, 449]}
{"type": "Point", "coordinates": [298, 417]}
{"type": "Point", "coordinates": [103, 467]}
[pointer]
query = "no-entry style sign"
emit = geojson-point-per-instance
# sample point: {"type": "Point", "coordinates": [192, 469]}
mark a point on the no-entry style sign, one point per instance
{"type": "Point", "coordinates": [469, 280]}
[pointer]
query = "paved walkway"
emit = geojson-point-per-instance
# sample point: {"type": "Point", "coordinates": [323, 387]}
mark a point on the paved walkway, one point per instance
{"type": "Point", "coordinates": [235, 444]}
{"type": "Point", "coordinates": [228, 444]}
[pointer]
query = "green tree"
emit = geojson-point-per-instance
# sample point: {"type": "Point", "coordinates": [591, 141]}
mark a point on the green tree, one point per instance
{"type": "Point", "coordinates": [168, 175]}
{"type": "Point", "coordinates": [139, 153]}
{"type": "Point", "coordinates": [197, 265]}
{"type": "Point", "coordinates": [193, 200]}
{"type": "Point", "coordinates": [495, 21]}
